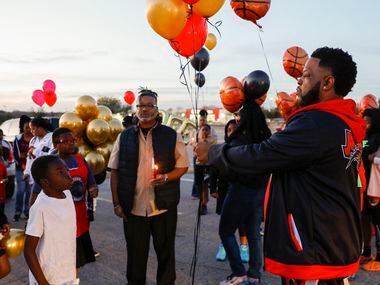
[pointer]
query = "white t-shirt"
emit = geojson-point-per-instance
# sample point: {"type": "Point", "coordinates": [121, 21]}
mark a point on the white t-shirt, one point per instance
{"type": "Point", "coordinates": [54, 222]}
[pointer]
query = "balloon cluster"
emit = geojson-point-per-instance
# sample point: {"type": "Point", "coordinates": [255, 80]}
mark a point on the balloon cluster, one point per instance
{"type": "Point", "coordinates": [183, 23]}
{"type": "Point", "coordinates": [233, 93]}
{"type": "Point", "coordinates": [46, 95]}
{"type": "Point", "coordinates": [95, 130]}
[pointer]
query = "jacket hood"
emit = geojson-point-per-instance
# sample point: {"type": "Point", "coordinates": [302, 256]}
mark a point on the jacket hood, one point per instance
{"type": "Point", "coordinates": [345, 109]}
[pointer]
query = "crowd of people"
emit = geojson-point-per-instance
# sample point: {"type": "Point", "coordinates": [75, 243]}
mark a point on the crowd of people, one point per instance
{"type": "Point", "coordinates": [313, 186]}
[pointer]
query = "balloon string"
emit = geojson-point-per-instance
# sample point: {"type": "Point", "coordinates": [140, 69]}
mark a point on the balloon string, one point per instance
{"type": "Point", "coordinates": [216, 26]}
{"type": "Point", "coordinates": [184, 82]}
{"type": "Point", "coordinates": [266, 59]}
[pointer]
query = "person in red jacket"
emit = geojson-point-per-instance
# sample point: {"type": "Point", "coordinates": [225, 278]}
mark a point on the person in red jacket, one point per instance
{"type": "Point", "coordinates": [312, 212]}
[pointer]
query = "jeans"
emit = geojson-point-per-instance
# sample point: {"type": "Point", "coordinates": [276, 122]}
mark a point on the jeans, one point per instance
{"type": "Point", "coordinates": [22, 195]}
{"type": "Point", "coordinates": [243, 206]}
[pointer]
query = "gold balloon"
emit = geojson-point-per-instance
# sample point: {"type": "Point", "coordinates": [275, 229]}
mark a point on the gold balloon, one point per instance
{"type": "Point", "coordinates": [104, 113]}
{"type": "Point", "coordinates": [86, 108]}
{"type": "Point", "coordinates": [96, 162]}
{"type": "Point", "coordinates": [14, 242]}
{"type": "Point", "coordinates": [105, 150]}
{"type": "Point", "coordinates": [207, 8]}
{"type": "Point", "coordinates": [211, 41]}
{"type": "Point", "coordinates": [116, 127]}
{"type": "Point", "coordinates": [83, 150]}
{"type": "Point", "coordinates": [72, 121]}
{"type": "Point", "coordinates": [98, 131]}
{"type": "Point", "coordinates": [166, 17]}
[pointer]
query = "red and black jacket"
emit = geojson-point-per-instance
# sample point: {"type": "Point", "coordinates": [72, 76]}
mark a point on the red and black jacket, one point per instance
{"type": "Point", "coordinates": [313, 227]}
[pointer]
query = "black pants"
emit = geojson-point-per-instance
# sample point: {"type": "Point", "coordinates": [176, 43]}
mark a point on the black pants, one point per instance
{"type": "Point", "coordinates": [137, 232]}
{"type": "Point", "coordinates": [321, 282]}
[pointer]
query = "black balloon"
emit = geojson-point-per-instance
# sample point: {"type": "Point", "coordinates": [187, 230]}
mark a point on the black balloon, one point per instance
{"type": "Point", "coordinates": [256, 84]}
{"type": "Point", "coordinates": [200, 79]}
{"type": "Point", "coordinates": [200, 60]}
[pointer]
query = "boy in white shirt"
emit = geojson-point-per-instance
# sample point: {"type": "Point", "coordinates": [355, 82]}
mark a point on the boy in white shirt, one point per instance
{"type": "Point", "coordinates": [50, 244]}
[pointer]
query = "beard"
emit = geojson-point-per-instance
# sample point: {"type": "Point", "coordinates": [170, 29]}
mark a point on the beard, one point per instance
{"type": "Point", "coordinates": [145, 118]}
{"type": "Point", "coordinates": [310, 97]}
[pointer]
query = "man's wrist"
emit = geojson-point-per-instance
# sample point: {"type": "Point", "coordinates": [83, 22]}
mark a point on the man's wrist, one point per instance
{"type": "Point", "coordinates": [166, 178]}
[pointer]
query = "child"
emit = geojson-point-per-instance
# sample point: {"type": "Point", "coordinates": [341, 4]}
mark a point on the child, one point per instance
{"type": "Point", "coordinates": [202, 177]}
{"type": "Point", "coordinates": [65, 144]}
{"type": "Point", "coordinates": [218, 189]}
{"type": "Point", "coordinates": [50, 245]}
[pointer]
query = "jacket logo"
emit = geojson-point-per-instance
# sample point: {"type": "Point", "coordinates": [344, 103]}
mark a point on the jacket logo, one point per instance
{"type": "Point", "coordinates": [351, 150]}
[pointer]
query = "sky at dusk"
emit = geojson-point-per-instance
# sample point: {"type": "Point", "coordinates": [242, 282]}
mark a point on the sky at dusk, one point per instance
{"type": "Point", "coordinates": [105, 47]}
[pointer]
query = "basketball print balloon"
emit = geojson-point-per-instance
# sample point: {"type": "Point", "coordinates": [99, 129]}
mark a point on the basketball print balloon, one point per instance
{"type": "Point", "coordinates": [250, 10]}
{"type": "Point", "coordinates": [286, 104]}
{"type": "Point", "coordinates": [294, 60]}
{"type": "Point", "coordinates": [369, 101]}
{"type": "Point", "coordinates": [231, 94]}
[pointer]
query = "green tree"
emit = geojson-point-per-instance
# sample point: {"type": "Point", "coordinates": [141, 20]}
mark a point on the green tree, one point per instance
{"type": "Point", "coordinates": [114, 104]}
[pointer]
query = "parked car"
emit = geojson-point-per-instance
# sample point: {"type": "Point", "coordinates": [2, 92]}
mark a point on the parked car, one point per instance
{"type": "Point", "coordinates": [11, 127]}
{"type": "Point", "coordinates": [10, 130]}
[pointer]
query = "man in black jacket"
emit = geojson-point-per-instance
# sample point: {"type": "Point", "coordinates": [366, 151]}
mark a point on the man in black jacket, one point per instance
{"type": "Point", "coordinates": [312, 227]}
{"type": "Point", "coordinates": [146, 164]}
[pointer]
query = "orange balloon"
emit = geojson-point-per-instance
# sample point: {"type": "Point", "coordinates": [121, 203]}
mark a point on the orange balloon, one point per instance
{"type": "Point", "coordinates": [286, 104]}
{"type": "Point", "coordinates": [294, 60]}
{"type": "Point", "coordinates": [369, 101]}
{"type": "Point", "coordinates": [211, 41]}
{"type": "Point", "coordinates": [231, 94]}
{"type": "Point", "coordinates": [207, 8]}
{"type": "Point", "coordinates": [166, 17]}
{"type": "Point", "coordinates": [250, 10]}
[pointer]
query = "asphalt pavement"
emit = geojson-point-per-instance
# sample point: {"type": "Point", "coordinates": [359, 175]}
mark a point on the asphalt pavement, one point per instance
{"type": "Point", "coordinates": [108, 239]}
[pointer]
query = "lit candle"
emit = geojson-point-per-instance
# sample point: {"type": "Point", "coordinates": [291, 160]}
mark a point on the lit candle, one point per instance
{"type": "Point", "coordinates": [154, 168]}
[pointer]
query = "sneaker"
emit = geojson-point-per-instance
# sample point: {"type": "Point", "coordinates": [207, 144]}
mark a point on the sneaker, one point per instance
{"type": "Point", "coordinates": [221, 254]}
{"type": "Point", "coordinates": [96, 254]}
{"type": "Point", "coordinates": [203, 210]}
{"type": "Point", "coordinates": [244, 253]}
{"type": "Point", "coordinates": [235, 280]}
{"type": "Point", "coordinates": [16, 217]}
{"type": "Point", "coordinates": [372, 266]}
{"type": "Point", "coordinates": [253, 281]}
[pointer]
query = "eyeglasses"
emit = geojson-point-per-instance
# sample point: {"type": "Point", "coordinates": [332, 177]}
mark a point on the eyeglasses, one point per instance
{"type": "Point", "coordinates": [146, 107]}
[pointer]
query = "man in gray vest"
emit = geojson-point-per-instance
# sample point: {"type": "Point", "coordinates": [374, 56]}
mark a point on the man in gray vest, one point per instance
{"type": "Point", "coordinates": [146, 164]}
